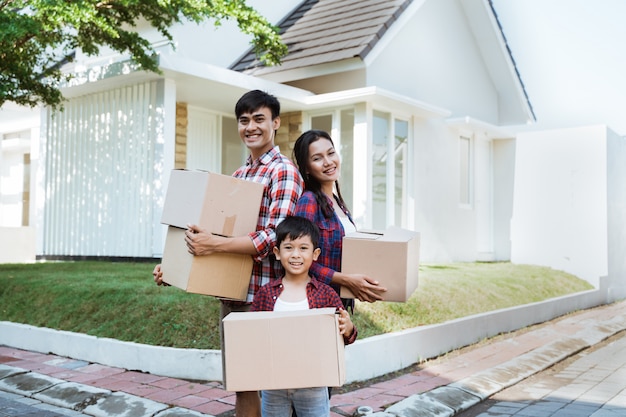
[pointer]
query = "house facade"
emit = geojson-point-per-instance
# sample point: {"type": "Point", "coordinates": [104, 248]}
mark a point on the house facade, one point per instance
{"type": "Point", "coordinates": [418, 95]}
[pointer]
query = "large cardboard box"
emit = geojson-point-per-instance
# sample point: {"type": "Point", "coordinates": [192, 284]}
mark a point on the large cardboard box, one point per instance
{"type": "Point", "coordinates": [390, 256]}
{"type": "Point", "coordinates": [224, 275]}
{"type": "Point", "coordinates": [282, 350]}
{"type": "Point", "coordinates": [218, 203]}
{"type": "Point", "coordinates": [221, 205]}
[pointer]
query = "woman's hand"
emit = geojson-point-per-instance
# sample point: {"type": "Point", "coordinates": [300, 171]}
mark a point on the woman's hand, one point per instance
{"type": "Point", "coordinates": [363, 287]}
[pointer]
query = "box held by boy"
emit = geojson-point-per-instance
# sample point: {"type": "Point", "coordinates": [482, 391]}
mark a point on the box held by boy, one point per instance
{"type": "Point", "coordinates": [300, 349]}
{"type": "Point", "coordinates": [390, 257]}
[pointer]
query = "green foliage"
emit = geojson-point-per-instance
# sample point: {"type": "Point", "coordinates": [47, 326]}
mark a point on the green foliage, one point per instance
{"type": "Point", "coordinates": [39, 36]}
{"type": "Point", "coordinates": [121, 301]}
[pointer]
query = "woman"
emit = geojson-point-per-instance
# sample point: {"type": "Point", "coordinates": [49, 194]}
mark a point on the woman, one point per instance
{"type": "Point", "coordinates": [321, 202]}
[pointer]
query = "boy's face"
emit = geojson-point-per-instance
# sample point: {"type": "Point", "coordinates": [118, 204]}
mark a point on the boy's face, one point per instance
{"type": "Point", "coordinates": [297, 255]}
{"type": "Point", "coordinates": [256, 129]}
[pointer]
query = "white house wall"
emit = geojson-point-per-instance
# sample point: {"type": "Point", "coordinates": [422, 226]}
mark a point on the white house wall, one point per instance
{"type": "Point", "coordinates": [448, 229]}
{"type": "Point", "coordinates": [560, 207]}
{"type": "Point", "coordinates": [616, 174]}
{"type": "Point", "coordinates": [102, 155]}
{"type": "Point", "coordinates": [436, 63]}
{"type": "Point", "coordinates": [206, 43]}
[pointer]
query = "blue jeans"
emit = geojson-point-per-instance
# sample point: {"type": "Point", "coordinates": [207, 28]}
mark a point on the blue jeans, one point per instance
{"type": "Point", "coordinates": [307, 402]}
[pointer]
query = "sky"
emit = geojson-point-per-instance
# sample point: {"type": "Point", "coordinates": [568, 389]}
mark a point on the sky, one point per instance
{"type": "Point", "coordinates": [571, 55]}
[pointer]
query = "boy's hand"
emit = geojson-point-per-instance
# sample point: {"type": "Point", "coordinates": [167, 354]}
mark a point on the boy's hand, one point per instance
{"type": "Point", "coordinates": [346, 327]}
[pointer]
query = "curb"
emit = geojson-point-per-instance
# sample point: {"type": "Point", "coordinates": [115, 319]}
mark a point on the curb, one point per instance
{"type": "Point", "coordinates": [84, 398]}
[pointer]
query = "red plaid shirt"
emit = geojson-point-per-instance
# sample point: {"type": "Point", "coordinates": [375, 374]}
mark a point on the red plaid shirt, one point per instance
{"type": "Point", "coordinates": [283, 186]}
{"type": "Point", "coordinates": [318, 294]}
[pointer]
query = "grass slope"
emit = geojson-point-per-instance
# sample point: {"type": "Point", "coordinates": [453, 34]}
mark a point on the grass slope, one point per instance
{"type": "Point", "coordinates": [120, 300]}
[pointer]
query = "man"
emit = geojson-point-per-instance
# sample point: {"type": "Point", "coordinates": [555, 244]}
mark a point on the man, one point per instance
{"type": "Point", "coordinates": [258, 119]}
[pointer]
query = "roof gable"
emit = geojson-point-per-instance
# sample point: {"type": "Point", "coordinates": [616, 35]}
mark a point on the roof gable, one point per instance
{"type": "Point", "coordinates": [325, 31]}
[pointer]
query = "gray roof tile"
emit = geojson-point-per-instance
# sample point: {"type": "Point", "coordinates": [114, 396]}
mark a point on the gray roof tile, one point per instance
{"type": "Point", "coordinates": [323, 31]}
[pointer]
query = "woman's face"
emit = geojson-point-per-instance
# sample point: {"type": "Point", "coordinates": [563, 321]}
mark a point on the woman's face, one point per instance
{"type": "Point", "coordinates": [323, 164]}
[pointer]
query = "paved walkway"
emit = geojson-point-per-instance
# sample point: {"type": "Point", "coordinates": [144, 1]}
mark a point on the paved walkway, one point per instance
{"type": "Point", "coordinates": [589, 384]}
{"type": "Point", "coordinates": [442, 387]}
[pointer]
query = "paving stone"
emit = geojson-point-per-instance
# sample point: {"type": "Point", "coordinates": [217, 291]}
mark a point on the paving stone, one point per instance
{"type": "Point", "coordinates": [28, 383]}
{"type": "Point", "coordinates": [72, 395]}
{"type": "Point", "coordinates": [124, 405]}
{"type": "Point", "coordinates": [6, 371]}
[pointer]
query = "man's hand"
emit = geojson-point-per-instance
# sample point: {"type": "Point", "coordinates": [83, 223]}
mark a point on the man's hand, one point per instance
{"type": "Point", "coordinates": [157, 273]}
{"type": "Point", "coordinates": [199, 242]}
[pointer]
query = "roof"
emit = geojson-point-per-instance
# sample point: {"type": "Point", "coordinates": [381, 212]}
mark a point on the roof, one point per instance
{"type": "Point", "coordinates": [324, 31]}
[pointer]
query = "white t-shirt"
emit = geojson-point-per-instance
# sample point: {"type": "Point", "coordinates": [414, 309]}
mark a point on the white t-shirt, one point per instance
{"type": "Point", "coordinates": [281, 305]}
{"type": "Point", "coordinates": [348, 227]}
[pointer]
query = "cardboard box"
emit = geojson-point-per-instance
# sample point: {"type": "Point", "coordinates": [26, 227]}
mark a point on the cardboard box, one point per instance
{"type": "Point", "coordinates": [282, 350]}
{"type": "Point", "coordinates": [390, 257]}
{"type": "Point", "coordinates": [224, 275]}
{"type": "Point", "coordinates": [221, 205]}
{"type": "Point", "coordinates": [218, 203]}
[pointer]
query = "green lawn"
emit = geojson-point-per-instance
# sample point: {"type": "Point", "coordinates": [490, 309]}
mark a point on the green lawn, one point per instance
{"type": "Point", "coordinates": [120, 300]}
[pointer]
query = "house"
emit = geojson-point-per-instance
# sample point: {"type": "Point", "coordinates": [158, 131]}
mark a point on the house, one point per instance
{"type": "Point", "coordinates": [419, 95]}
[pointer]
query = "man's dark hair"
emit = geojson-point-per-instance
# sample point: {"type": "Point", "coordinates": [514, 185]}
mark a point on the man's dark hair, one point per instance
{"type": "Point", "coordinates": [294, 227]}
{"type": "Point", "coordinates": [254, 100]}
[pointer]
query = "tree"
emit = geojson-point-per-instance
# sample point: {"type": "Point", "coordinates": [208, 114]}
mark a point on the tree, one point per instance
{"type": "Point", "coordinates": [37, 37]}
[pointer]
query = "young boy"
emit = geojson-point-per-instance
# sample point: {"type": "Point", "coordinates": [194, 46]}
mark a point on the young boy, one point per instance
{"type": "Point", "coordinates": [296, 248]}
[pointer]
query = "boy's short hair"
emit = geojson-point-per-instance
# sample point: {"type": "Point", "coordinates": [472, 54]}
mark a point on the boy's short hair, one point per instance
{"type": "Point", "coordinates": [254, 100]}
{"type": "Point", "coordinates": [293, 227]}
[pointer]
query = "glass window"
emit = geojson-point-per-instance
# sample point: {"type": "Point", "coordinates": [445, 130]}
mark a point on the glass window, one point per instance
{"type": "Point", "coordinates": [15, 171]}
{"type": "Point", "coordinates": [344, 143]}
{"type": "Point", "coordinates": [401, 143]}
{"type": "Point", "coordinates": [465, 170]}
{"type": "Point", "coordinates": [389, 174]}
{"type": "Point", "coordinates": [346, 181]}
{"type": "Point", "coordinates": [380, 138]}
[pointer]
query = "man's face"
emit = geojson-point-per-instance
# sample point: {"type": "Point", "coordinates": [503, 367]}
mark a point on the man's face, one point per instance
{"type": "Point", "coordinates": [256, 129]}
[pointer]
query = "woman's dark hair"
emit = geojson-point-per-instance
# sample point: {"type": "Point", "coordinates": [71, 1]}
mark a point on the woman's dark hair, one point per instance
{"type": "Point", "coordinates": [301, 158]}
{"type": "Point", "coordinates": [293, 227]}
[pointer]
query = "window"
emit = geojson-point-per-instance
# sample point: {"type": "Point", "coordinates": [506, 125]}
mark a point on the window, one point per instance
{"type": "Point", "coordinates": [465, 170]}
{"type": "Point", "coordinates": [400, 149]}
{"type": "Point", "coordinates": [389, 174]}
{"type": "Point", "coordinates": [15, 171]}
{"type": "Point", "coordinates": [380, 138]}
{"type": "Point", "coordinates": [343, 138]}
